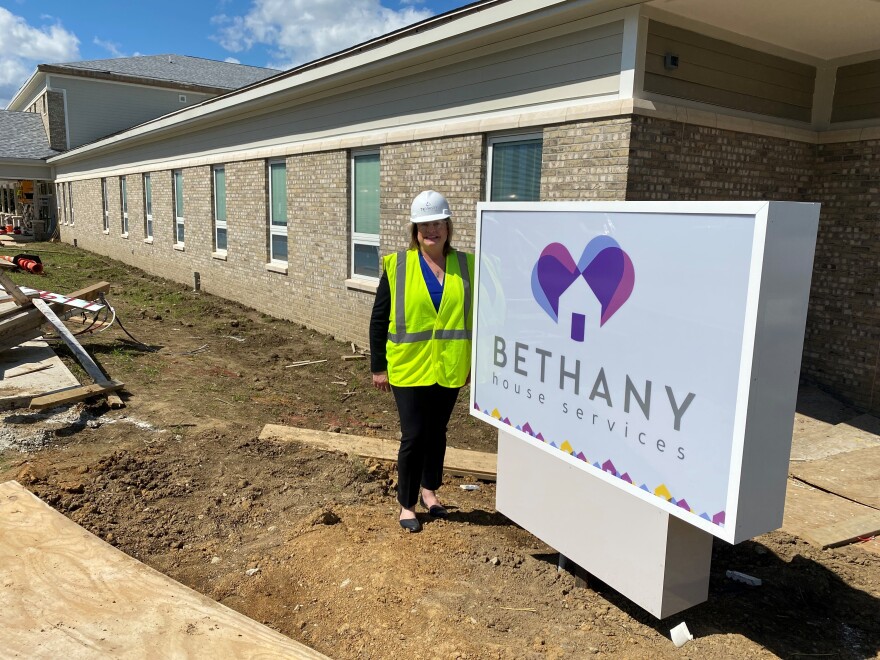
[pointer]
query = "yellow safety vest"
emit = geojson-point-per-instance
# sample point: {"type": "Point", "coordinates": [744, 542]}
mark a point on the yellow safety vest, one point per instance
{"type": "Point", "coordinates": [425, 345]}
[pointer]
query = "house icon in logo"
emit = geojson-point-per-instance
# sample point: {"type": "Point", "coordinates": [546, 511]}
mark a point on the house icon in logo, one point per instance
{"type": "Point", "coordinates": [605, 267]}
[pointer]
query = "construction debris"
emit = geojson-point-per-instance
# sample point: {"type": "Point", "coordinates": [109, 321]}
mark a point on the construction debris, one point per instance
{"type": "Point", "coordinates": [24, 322]}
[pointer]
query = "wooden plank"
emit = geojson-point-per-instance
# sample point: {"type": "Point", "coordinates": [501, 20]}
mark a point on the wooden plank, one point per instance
{"type": "Point", "coordinates": [459, 462]}
{"type": "Point", "coordinates": [68, 594]}
{"type": "Point", "coordinates": [12, 289]}
{"type": "Point", "coordinates": [854, 475]}
{"type": "Point", "coordinates": [824, 519]}
{"type": "Point", "coordinates": [115, 401]}
{"type": "Point", "coordinates": [92, 369]}
{"type": "Point", "coordinates": [859, 433]}
{"type": "Point", "coordinates": [74, 394]}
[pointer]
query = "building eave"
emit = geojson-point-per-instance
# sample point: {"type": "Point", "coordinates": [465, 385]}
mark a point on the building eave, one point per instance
{"type": "Point", "coordinates": [109, 76]}
{"type": "Point", "coordinates": [363, 59]}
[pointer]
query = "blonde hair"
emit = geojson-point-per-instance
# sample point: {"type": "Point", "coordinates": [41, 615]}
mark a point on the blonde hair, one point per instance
{"type": "Point", "coordinates": [414, 237]}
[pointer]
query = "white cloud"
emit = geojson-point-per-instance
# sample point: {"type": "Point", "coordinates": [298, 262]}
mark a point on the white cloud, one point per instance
{"type": "Point", "coordinates": [232, 60]}
{"type": "Point", "coordinates": [110, 47]}
{"type": "Point", "coordinates": [298, 31]}
{"type": "Point", "coordinates": [23, 46]}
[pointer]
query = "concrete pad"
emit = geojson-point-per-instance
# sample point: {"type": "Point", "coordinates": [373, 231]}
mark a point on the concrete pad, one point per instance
{"type": "Point", "coordinates": [64, 593]}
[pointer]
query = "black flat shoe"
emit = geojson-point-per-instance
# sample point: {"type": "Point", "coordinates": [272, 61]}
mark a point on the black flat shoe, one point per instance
{"type": "Point", "coordinates": [411, 525]}
{"type": "Point", "coordinates": [436, 511]}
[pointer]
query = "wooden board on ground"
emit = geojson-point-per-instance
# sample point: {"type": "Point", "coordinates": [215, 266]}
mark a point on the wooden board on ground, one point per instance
{"type": "Point", "coordinates": [92, 369]}
{"type": "Point", "coordinates": [32, 355]}
{"type": "Point", "coordinates": [459, 462]}
{"type": "Point", "coordinates": [859, 433]}
{"type": "Point", "coordinates": [854, 475]}
{"type": "Point", "coordinates": [67, 594]}
{"type": "Point", "coordinates": [871, 545]}
{"type": "Point", "coordinates": [74, 394]}
{"type": "Point", "coordinates": [824, 519]}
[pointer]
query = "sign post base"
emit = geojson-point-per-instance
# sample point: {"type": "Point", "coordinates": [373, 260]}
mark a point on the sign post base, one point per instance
{"type": "Point", "coordinates": [658, 561]}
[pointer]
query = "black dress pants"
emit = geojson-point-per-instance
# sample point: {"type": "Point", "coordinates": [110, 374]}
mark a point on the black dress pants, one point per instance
{"type": "Point", "coordinates": [424, 413]}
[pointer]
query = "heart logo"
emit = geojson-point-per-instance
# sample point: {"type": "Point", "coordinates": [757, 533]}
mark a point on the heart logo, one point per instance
{"type": "Point", "coordinates": [605, 267]}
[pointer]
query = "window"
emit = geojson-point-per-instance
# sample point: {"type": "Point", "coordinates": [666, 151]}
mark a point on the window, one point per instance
{"type": "Point", "coordinates": [106, 203]}
{"type": "Point", "coordinates": [220, 209]}
{"type": "Point", "coordinates": [148, 207]}
{"type": "Point", "coordinates": [178, 206]}
{"type": "Point", "coordinates": [123, 204]}
{"type": "Point", "coordinates": [70, 203]}
{"type": "Point", "coordinates": [514, 168]}
{"type": "Point", "coordinates": [60, 202]}
{"type": "Point", "coordinates": [365, 215]}
{"type": "Point", "coordinates": [278, 211]}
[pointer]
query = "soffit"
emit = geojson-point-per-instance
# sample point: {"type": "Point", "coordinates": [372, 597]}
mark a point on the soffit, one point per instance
{"type": "Point", "coordinates": [816, 28]}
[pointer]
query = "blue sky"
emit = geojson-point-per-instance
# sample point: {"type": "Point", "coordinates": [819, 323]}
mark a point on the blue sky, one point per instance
{"type": "Point", "coordinates": [274, 33]}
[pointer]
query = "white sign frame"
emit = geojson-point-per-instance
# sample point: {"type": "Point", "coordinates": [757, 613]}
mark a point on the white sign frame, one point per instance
{"type": "Point", "coordinates": [778, 274]}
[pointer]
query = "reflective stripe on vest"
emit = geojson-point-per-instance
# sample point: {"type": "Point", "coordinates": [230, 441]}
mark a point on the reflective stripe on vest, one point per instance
{"type": "Point", "coordinates": [404, 337]}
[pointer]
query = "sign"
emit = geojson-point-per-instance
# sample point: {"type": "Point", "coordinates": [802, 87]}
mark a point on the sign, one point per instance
{"type": "Point", "coordinates": [622, 338]}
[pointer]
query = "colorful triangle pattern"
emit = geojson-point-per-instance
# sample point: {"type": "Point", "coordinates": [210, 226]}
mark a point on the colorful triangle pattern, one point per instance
{"type": "Point", "coordinates": [607, 466]}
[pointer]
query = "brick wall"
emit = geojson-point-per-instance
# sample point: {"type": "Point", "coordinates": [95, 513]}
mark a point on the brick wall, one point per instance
{"type": "Point", "coordinates": [671, 160]}
{"type": "Point", "coordinates": [451, 166]}
{"type": "Point", "coordinates": [843, 331]}
{"type": "Point", "coordinates": [585, 161]}
{"type": "Point", "coordinates": [57, 128]}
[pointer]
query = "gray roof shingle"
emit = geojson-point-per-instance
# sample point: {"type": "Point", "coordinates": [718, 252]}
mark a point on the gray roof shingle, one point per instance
{"type": "Point", "coordinates": [178, 69]}
{"type": "Point", "coordinates": [22, 136]}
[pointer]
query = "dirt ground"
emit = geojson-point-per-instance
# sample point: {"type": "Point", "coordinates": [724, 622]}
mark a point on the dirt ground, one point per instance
{"type": "Point", "coordinates": [307, 542]}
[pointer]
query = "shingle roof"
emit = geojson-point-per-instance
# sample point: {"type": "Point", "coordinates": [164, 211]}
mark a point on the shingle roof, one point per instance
{"type": "Point", "coordinates": [177, 69]}
{"type": "Point", "coordinates": [22, 136]}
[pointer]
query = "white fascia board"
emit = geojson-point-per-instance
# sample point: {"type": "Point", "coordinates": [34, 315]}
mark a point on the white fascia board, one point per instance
{"type": "Point", "coordinates": [34, 86]}
{"type": "Point", "coordinates": [26, 168]}
{"type": "Point", "coordinates": [498, 15]}
{"type": "Point", "coordinates": [171, 88]}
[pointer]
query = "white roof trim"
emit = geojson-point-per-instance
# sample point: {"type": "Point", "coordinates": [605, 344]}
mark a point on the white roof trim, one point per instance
{"type": "Point", "coordinates": [422, 36]}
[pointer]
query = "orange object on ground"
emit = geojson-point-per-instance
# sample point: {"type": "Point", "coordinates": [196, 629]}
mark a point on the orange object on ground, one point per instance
{"type": "Point", "coordinates": [27, 262]}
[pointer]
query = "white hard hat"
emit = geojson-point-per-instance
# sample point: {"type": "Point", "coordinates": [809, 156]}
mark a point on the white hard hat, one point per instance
{"type": "Point", "coordinates": [429, 206]}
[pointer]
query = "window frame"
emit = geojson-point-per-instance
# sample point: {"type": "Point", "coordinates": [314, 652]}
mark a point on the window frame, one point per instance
{"type": "Point", "coordinates": [123, 205]}
{"type": "Point", "coordinates": [363, 238]}
{"type": "Point", "coordinates": [69, 214]}
{"type": "Point", "coordinates": [179, 219]}
{"type": "Point", "coordinates": [502, 138]}
{"type": "Point", "coordinates": [218, 223]}
{"type": "Point", "coordinates": [60, 202]}
{"type": "Point", "coordinates": [277, 229]}
{"type": "Point", "coordinates": [148, 207]}
{"type": "Point", "coordinates": [106, 205]}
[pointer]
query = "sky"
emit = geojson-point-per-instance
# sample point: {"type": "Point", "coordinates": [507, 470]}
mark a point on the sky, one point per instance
{"type": "Point", "coordinates": [269, 33]}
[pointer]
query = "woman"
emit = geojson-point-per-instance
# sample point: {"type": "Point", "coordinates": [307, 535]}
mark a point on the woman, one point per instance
{"type": "Point", "coordinates": [420, 348]}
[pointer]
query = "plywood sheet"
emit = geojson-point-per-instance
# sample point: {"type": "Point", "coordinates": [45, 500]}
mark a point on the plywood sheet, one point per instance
{"type": "Point", "coordinates": [458, 461]}
{"type": "Point", "coordinates": [824, 519]}
{"type": "Point", "coordinates": [64, 593]}
{"type": "Point", "coordinates": [29, 356]}
{"type": "Point", "coordinates": [860, 433]}
{"type": "Point", "coordinates": [854, 475]}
